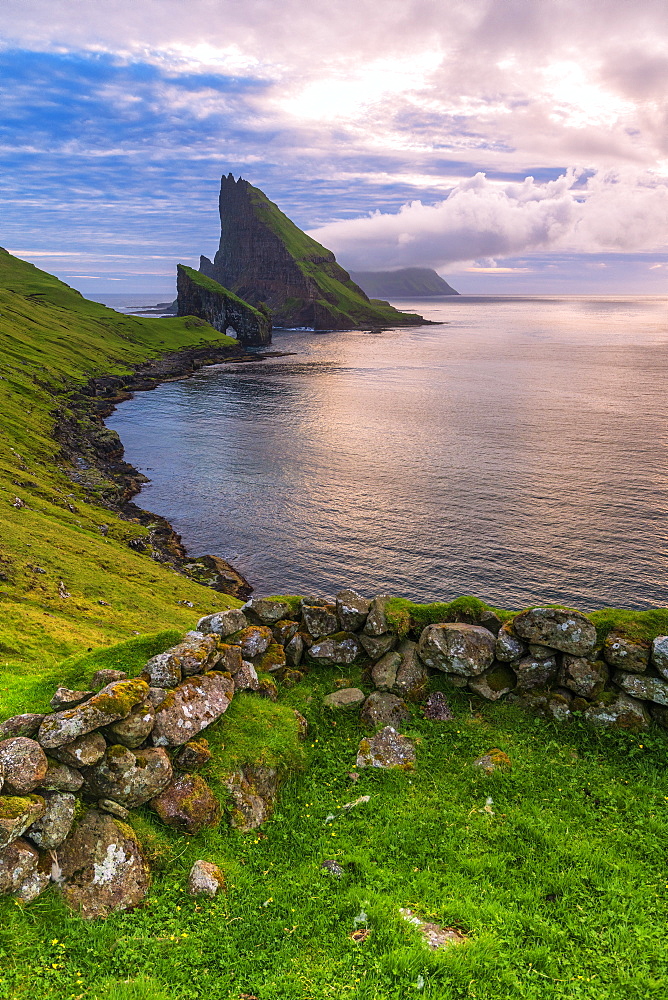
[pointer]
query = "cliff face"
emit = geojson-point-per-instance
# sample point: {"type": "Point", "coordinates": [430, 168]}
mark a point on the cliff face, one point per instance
{"type": "Point", "coordinates": [199, 295]}
{"type": "Point", "coordinates": [264, 258]}
{"type": "Point", "coordinates": [405, 283]}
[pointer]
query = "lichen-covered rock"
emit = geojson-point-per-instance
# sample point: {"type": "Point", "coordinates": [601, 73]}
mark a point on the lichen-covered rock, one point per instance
{"type": "Point", "coordinates": [586, 678]}
{"type": "Point", "coordinates": [435, 937]}
{"type": "Point", "coordinates": [103, 867]}
{"type": "Point", "coordinates": [231, 658]}
{"type": "Point", "coordinates": [437, 709]}
{"type": "Point", "coordinates": [621, 712]}
{"type": "Point", "coordinates": [187, 805]}
{"type": "Point", "coordinates": [648, 688]}
{"type": "Point", "coordinates": [386, 749]}
{"type": "Point", "coordinates": [384, 672]}
{"type": "Point", "coordinates": [135, 728]}
{"type": "Point", "coordinates": [382, 708]}
{"type": "Point", "coordinates": [558, 705]}
{"type": "Point", "coordinates": [66, 698]}
{"type": "Point", "coordinates": [539, 652]}
{"type": "Point", "coordinates": [467, 650]}
{"type": "Point", "coordinates": [246, 678]}
{"type": "Point", "coordinates": [351, 610]}
{"type": "Point", "coordinates": [21, 725]}
{"type": "Point", "coordinates": [508, 646]}
{"type": "Point", "coordinates": [101, 678]}
{"type": "Point", "coordinates": [17, 813]}
{"type": "Point", "coordinates": [284, 629]}
{"type": "Point", "coordinates": [533, 673]}
{"type": "Point", "coordinates": [494, 760]}
{"type": "Point", "coordinates": [272, 660]}
{"type": "Point", "coordinates": [268, 689]}
{"type": "Point", "coordinates": [302, 725]}
{"type": "Point", "coordinates": [193, 756]}
{"type": "Point", "coordinates": [23, 764]}
{"type": "Point", "coordinates": [253, 793]}
{"type": "Point", "coordinates": [268, 609]}
{"type": "Point", "coordinates": [114, 809]}
{"type": "Point", "coordinates": [624, 654]}
{"type": "Point", "coordinates": [127, 777]}
{"type": "Point", "coordinates": [340, 649]}
{"type": "Point", "coordinates": [659, 656]}
{"type": "Point", "coordinates": [113, 702]}
{"type": "Point", "coordinates": [34, 884]}
{"type": "Point", "coordinates": [84, 751]}
{"type": "Point", "coordinates": [196, 654]}
{"type": "Point", "coordinates": [205, 879]}
{"type": "Point", "coordinates": [294, 650]}
{"type": "Point", "coordinates": [18, 860]}
{"type": "Point", "coordinates": [191, 707]}
{"type": "Point", "coordinates": [496, 682]}
{"type": "Point", "coordinates": [412, 676]}
{"type": "Point", "coordinates": [319, 619]}
{"type": "Point", "coordinates": [254, 640]}
{"type": "Point", "coordinates": [223, 623]}
{"type": "Point", "coordinates": [376, 646]}
{"type": "Point", "coordinates": [163, 671]}
{"type": "Point", "coordinates": [61, 778]}
{"type": "Point", "coordinates": [376, 620]}
{"type": "Point", "coordinates": [345, 698]}
{"type": "Point", "coordinates": [50, 830]}
{"type": "Point", "coordinates": [568, 631]}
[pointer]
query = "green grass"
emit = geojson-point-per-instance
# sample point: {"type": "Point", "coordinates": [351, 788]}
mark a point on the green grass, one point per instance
{"type": "Point", "coordinates": [562, 891]}
{"type": "Point", "coordinates": [214, 286]}
{"type": "Point", "coordinates": [51, 341]}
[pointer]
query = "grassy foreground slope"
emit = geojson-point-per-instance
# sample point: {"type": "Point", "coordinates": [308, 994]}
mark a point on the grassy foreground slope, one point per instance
{"type": "Point", "coordinates": [52, 340]}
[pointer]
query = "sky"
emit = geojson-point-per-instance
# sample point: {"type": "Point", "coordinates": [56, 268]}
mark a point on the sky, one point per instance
{"type": "Point", "coordinates": [516, 146]}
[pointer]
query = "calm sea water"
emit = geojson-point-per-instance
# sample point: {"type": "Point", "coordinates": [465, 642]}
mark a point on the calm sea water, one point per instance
{"type": "Point", "coordinates": [517, 452]}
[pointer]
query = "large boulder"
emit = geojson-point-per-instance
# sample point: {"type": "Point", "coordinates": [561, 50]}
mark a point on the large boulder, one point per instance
{"type": "Point", "coordinates": [253, 792]}
{"type": "Point", "coordinates": [568, 631]}
{"type": "Point", "coordinates": [135, 728]}
{"type": "Point", "coordinates": [586, 678]}
{"type": "Point", "coordinates": [351, 610]}
{"type": "Point", "coordinates": [17, 813]}
{"type": "Point", "coordinates": [113, 702]}
{"type": "Point", "coordinates": [23, 764]}
{"type": "Point", "coordinates": [18, 861]}
{"type": "Point", "coordinates": [102, 866]}
{"type": "Point", "coordinates": [625, 654]}
{"type": "Point", "coordinates": [387, 749]}
{"type": "Point", "coordinates": [467, 650]}
{"type": "Point", "coordinates": [191, 707]}
{"type": "Point", "coordinates": [223, 623]}
{"type": "Point", "coordinates": [127, 777]}
{"type": "Point", "coordinates": [382, 708]}
{"type": "Point", "coordinates": [648, 688]}
{"type": "Point", "coordinates": [187, 805]}
{"type": "Point", "coordinates": [50, 830]}
{"type": "Point", "coordinates": [340, 649]}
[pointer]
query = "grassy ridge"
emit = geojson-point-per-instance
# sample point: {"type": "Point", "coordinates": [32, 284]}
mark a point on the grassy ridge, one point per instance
{"type": "Point", "coordinates": [52, 340]}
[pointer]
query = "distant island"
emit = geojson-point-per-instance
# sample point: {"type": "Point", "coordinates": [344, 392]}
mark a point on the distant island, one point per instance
{"type": "Point", "coordinates": [269, 264]}
{"type": "Point", "coordinates": [408, 282]}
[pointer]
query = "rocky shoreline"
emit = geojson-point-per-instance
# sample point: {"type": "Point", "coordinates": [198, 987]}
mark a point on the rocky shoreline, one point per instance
{"type": "Point", "coordinates": [93, 459]}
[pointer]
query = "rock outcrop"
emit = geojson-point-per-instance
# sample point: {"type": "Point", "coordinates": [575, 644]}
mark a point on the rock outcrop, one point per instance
{"type": "Point", "coordinates": [202, 296]}
{"type": "Point", "coordinates": [266, 260]}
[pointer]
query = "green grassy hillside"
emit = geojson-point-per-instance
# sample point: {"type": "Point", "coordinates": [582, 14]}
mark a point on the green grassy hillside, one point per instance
{"type": "Point", "coordinates": [51, 341]}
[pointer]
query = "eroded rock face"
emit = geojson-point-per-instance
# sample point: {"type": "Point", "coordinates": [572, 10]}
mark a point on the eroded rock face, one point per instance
{"type": "Point", "coordinates": [18, 861]}
{"type": "Point", "coordinates": [584, 677]}
{"type": "Point", "coordinates": [82, 752]}
{"type": "Point", "coordinates": [622, 653]}
{"type": "Point", "coordinates": [386, 749]}
{"type": "Point", "coordinates": [648, 688]}
{"type": "Point", "coordinates": [351, 610]}
{"type": "Point", "coordinates": [113, 702]}
{"type": "Point", "coordinates": [205, 879]}
{"type": "Point", "coordinates": [23, 764]}
{"type": "Point", "coordinates": [567, 631]}
{"type": "Point", "coordinates": [467, 650]}
{"type": "Point", "coordinates": [191, 707]}
{"type": "Point", "coordinates": [223, 623]}
{"type": "Point", "coordinates": [342, 649]}
{"type": "Point", "coordinates": [17, 813]}
{"type": "Point", "coordinates": [103, 867]}
{"type": "Point", "coordinates": [382, 708]}
{"type": "Point", "coordinates": [55, 823]}
{"type": "Point", "coordinates": [127, 777]}
{"type": "Point", "coordinates": [215, 304]}
{"type": "Point", "coordinates": [187, 805]}
{"type": "Point", "coordinates": [253, 791]}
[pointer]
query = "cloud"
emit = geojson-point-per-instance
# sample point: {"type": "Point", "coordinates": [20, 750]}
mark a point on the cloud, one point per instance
{"type": "Point", "coordinates": [481, 218]}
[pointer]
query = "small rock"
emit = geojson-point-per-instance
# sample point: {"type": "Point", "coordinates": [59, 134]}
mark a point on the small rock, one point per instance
{"type": "Point", "coordinates": [253, 791]}
{"type": "Point", "coordinates": [437, 709]}
{"type": "Point", "coordinates": [223, 623]}
{"type": "Point", "coordinates": [659, 657]}
{"type": "Point", "coordinates": [621, 712]}
{"type": "Point", "coordinates": [23, 764]}
{"type": "Point", "coordinates": [231, 658]}
{"type": "Point", "coordinates": [648, 688]}
{"type": "Point", "coordinates": [163, 671]}
{"type": "Point", "coordinates": [351, 610]}
{"type": "Point", "coordinates": [193, 756]}
{"type": "Point", "coordinates": [187, 805]}
{"type": "Point", "coordinates": [272, 661]}
{"type": "Point", "coordinates": [539, 652]}
{"type": "Point", "coordinates": [376, 646]}
{"type": "Point", "coordinates": [412, 676]}
{"type": "Point", "coordinates": [508, 647]}
{"type": "Point", "coordinates": [467, 650]}
{"type": "Point", "coordinates": [21, 725]}
{"type": "Point", "coordinates": [17, 813]}
{"type": "Point", "coordinates": [383, 709]}
{"type": "Point", "coordinates": [567, 631]}
{"type": "Point", "coordinates": [268, 689]}
{"type": "Point", "coordinates": [61, 778]}
{"type": "Point", "coordinates": [129, 778]}
{"type": "Point", "coordinates": [101, 678]}
{"type": "Point", "coordinates": [624, 654]}
{"type": "Point", "coordinates": [191, 707]}
{"type": "Point", "coordinates": [346, 698]}
{"type": "Point", "coordinates": [294, 650]}
{"type": "Point", "coordinates": [253, 641]}
{"type": "Point", "coordinates": [246, 678]}
{"type": "Point", "coordinates": [376, 621]}
{"type": "Point", "coordinates": [284, 630]}
{"type": "Point", "coordinates": [386, 749]}
{"type": "Point", "coordinates": [534, 673]}
{"type": "Point", "coordinates": [384, 672]}
{"type": "Point", "coordinates": [333, 868]}
{"type": "Point", "coordinates": [133, 730]}
{"type": "Point", "coordinates": [435, 936]}
{"type": "Point", "coordinates": [496, 682]}
{"type": "Point", "coordinates": [18, 861]}
{"type": "Point", "coordinates": [205, 879]}
{"type": "Point", "coordinates": [196, 654]}
{"type": "Point", "coordinates": [495, 760]}
{"type": "Point", "coordinates": [36, 881]}
{"type": "Point", "coordinates": [340, 649]}
{"type": "Point", "coordinates": [586, 678]}
{"type": "Point", "coordinates": [302, 725]}
{"type": "Point", "coordinates": [65, 698]}
{"type": "Point", "coordinates": [268, 609]}
{"type": "Point", "coordinates": [113, 702]}
{"type": "Point", "coordinates": [319, 621]}
{"type": "Point", "coordinates": [559, 705]}
{"type": "Point", "coordinates": [114, 809]}
{"type": "Point", "coordinates": [82, 752]}
{"type": "Point", "coordinates": [50, 830]}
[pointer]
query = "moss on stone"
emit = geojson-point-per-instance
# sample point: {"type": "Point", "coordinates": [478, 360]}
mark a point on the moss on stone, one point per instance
{"type": "Point", "coordinates": [13, 806]}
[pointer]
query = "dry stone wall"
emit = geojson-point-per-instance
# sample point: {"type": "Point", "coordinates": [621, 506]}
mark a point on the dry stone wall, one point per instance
{"type": "Point", "coordinates": [70, 778]}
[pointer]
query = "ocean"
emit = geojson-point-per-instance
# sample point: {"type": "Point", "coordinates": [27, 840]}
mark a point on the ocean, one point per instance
{"type": "Point", "coordinates": [516, 452]}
